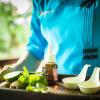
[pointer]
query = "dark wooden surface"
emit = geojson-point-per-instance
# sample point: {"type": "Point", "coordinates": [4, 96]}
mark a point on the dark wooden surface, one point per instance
{"type": "Point", "coordinates": [23, 95]}
{"type": "Point", "coordinates": [7, 62]}
{"type": "Point", "coordinates": [57, 92]}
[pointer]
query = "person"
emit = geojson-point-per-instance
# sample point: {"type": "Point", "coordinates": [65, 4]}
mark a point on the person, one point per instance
{"type": "Point", "coordinates": [72, 27]}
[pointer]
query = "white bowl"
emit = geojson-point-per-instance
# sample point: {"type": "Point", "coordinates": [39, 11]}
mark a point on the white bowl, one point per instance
{"type": "Point", "coordinates": [88, 88]}
{"type": "Point", "coordinates": [70, 83]}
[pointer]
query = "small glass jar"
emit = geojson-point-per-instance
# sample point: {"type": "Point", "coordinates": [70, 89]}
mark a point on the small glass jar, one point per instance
{"type": "Point", "coordinates": [51, 73]}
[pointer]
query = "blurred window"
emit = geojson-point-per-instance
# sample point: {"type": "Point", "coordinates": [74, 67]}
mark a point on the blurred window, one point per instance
{"type": "Point", "coordinates": [15, 18]}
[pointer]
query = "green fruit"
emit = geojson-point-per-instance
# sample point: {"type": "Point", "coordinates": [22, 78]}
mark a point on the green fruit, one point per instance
{"type": "Point", "coordinates": [3, 72]}
{"type": "Point", "coordinates": [17, 85]}
{"type": "Point", "coordinates": [4, 85]}
{"type": "Point", "coordinates": [13, 76]}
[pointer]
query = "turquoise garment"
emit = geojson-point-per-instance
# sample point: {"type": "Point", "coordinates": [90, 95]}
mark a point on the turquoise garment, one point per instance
{"type": "Point", "coordinates": [73, 31]}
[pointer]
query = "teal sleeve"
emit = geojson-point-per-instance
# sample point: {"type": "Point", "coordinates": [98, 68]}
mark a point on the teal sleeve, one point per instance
{"type": "Point", "coordinates": [37, 43]}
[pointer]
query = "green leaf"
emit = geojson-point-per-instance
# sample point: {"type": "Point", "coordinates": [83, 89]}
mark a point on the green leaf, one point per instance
{"type": "Point", "coordinates": [37, 78]}
{"type": "Point", "coordinates": [34, 82]}
{"type": "Point", "coordinates": [25, 72]}
{"type": "Point", "coordinates": [42, 79]}
{"type": "Point", "coordinates": [29, 88]}
{"type": "Point", "coordinates": [24, 78]}
{"type": "Point", "coordinates": [33, 79]}
{"type": "Point", "coordinates": [34, 89]}
{"type": "Point", "coordinates": [40, 85]}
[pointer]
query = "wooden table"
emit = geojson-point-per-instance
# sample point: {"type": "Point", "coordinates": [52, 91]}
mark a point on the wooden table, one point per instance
{"type": "Point", "coordinates": [7, 62]}
{"type": "Point", "coordinates": [57, 92]}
